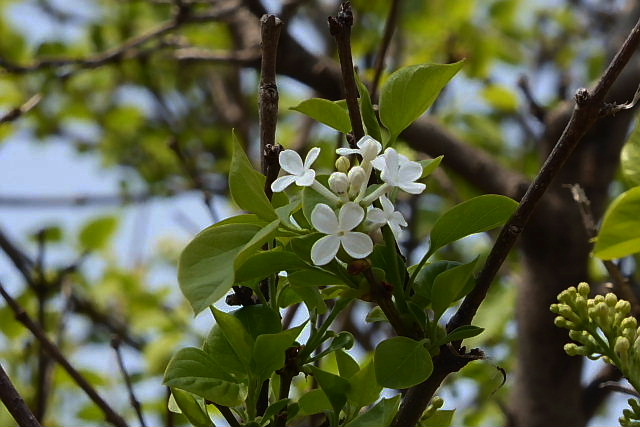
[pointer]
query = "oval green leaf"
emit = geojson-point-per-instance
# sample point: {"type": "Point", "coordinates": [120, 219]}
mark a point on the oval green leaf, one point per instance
{"type": "Point", "coordinates": [475, 215]}
{"type": "Point", "coordinates": [410, 91]}
{"type": "Point", "coordinates": [401, 362]}
{"type": "Point", "coordinates": [620, 232]}
{"type": "Point", "coordinates": [630, 158]}
{"type": "Point", "coordinates": [330, 113]}
{"type": "Point", "coordinates": [206, 266]}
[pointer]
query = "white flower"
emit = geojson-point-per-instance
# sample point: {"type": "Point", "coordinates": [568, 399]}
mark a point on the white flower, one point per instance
{"type": "Point", "coordinates": [368, 148]}
{"type": "Point", "coordinates": [398, 171]}
{"type": "Point", "coordinates": [301, 174]}
{"type": "Point", "coordinates": [338, 232]}
{"type": "Point", "coordinates": [387, 215]}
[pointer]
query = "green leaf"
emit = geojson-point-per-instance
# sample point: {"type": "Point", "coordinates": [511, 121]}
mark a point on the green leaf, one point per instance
{"type": "Point", "coordinates": [475, 215]}
{"type": "Point", "coordinates": [259, 319]}
{"type": "Point", "coordinates": [332, 114]}
{"type": "Point", "coordinates": [236, 334]}
{"type": "Point", "coordinates": [410, 91]}
{"type": "Point", "coordinates": [217, 346]}
{"type": "Point", "coordinates": [347, 366]}
{"type": "Point", "coordinates": [441, 418]}
{"type": "Point", "coordinates": [97, 234]}
{"type": "Point", "coordinates": [451, 285]}
{"type": "Point", "coordinates": [630, 158]}
{"type": "Point", "coordinates": [257, 241]}
{"type": "Point", "coordinates": [191, 409]}
{"type": "Point", "coordinates": [463, 332]}
{"type": "Point", "coordinates": [335, 387]}
{"type": "Point", "coordinates": [380, 415]}
{"type": "Point", "coordinates": [364, 388]}
{"type": "Point", "coordinates": [425, 279]}
{"type": "Point", "coordinates": [265, 263]}
{"type": "Point", "coordinates": [620, 232]}
{"type": "Point", "coordinates": [313, 402]}
{"type": "Point", "coordinates": [376, 315]}
{"type": "Point", "coordinates": [368, 114]}
{"type": "Point", "coordinates": [246, 185]}
{"type": "Point", "coordinates": [269, 351]}
{"type": "Point", "coordinates": [274, 409]}
{"type": "Point", "coordinates": [193, 370]}
{"type": "Point", "coordinates": [429, 166]}
{"type": "Point", "coordinates": [501, 98]}
{"type": "Point", "coordinates": [401, 362]}
{"type": "Point", "coordinates": [313, 278]}
{"type": "Point", "coordinates": [206, 266]}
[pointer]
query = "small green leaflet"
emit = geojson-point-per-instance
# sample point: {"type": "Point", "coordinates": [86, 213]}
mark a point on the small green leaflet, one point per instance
{"type": "Point", "coordinates": [330, 113]}
{"type": "Point", "coordinates": [620, 232]}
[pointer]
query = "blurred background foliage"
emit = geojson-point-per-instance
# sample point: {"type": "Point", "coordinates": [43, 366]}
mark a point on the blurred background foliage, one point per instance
{"type": "Point", "coordinates": [153, 89]}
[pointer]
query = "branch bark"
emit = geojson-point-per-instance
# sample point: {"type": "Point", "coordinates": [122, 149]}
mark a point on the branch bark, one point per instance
{"type": "Point", "coordinates": [14, 402]}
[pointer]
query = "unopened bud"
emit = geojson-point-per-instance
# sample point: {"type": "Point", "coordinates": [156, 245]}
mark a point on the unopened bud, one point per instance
{"type": "Point", "coordinates": [342, 164]}
{"type": "Point", "coordinates": [357, 178]}
{"type": "Point", "coordinates": [573, 349]}
{"type": "Point", "coordinates": [584, 289]}
{"type": "Point", "coordinates": [437, 402]}
{"type": "Point", "coordinates": [611, 299]}
{"type": "Point", "coordinates": [629, 322]}
{"type": "Point", "coordinates": [622, 345]}
{"type": "Point", "coordinates": [623, 307]}
{"type": "Point", "coordinates": [338, 182]}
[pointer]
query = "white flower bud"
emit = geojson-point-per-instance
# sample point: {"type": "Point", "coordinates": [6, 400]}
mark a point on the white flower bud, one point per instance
{"type": "Point", "coordinates": [342, 164]}
{"type": "Point", "coordinates": [357, 178]}
{"type": "Point", "coordinates": [338, 182]}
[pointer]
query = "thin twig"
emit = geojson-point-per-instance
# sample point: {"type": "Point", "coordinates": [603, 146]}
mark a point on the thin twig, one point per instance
{"type": "Point", "coordinates": [389, 28]}
{"type": "Point", "coordinates": [115, 343]}
{"type": "Point", "coordinates": [17, 112]}
{"type": "Point", "coordinates": [536, 109]}
{"type": "Point", "coordinates": [340, 29]}
{"type": "Point", "coordinates": [14, 402]}
{"type": "Point", "coordinates": [21, 315]}
{"type": "Point", "coordinates": [589, 108]}
{"type": "Point", "coordinates": [617, 387]}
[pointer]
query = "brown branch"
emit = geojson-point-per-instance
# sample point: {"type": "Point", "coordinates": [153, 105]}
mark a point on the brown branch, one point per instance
{"type": "Point", "coordinates": [589, 108]}
{"type": "Point", "coordinates": [270, 27]}
{"type": "Point", "coordinates": [340, 29]}
{"type": "Point", "coordinates": [53, 350]}
{"type": "Point", "coordinates": [115, 343]}
{"type": "Point", "coordinates": [14, 402]}
{"type": "Point", "coordinates": [389, 28]}
{"type": "Point", "coordinates": [536, 109]}
{"type": "Point", "coordinates": [17, 112]}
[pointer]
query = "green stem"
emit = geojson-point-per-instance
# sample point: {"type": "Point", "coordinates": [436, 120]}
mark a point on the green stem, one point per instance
{"type": "Point", "coordinates": [316, 338]}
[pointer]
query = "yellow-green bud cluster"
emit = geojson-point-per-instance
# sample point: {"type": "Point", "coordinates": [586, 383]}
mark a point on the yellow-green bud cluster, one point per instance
{"type": "Point", "coordinates": [436, 403]}
{"type": "Point", "coordinates": [631, 417]}
{"type": "Point", "coordinates": [600, 328]}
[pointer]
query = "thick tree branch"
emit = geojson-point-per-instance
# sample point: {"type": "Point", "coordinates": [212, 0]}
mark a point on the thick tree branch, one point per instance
{"type": "Point", "coordinates": [14, 402]}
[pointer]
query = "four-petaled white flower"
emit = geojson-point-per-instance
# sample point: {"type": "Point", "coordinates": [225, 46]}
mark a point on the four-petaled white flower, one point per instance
{"type": "Point", "coordinates": [301, 174]}
{"type": "Point", "coordinates": [387, 215]}
{"type": "Point", "coordinates": [368, 148]}
{"type": "Point", "coordinates": [398, 171]}
{"type": "Point", "coordinates": [338, 232]}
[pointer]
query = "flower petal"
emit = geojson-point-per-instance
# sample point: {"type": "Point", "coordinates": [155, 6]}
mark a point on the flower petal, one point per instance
{"type": "Point", "coordinates": [387, 206]}
{"type": "Point", "coordinates": [291, 162]}
{"type": "Point", "coordinates": [376, 216]}
{"type": "Point", "coordinates": [282, 183]}
{"type": "Point", "coordinates": [379, 163]}
{"type": "Point", "coordinates": [369, 148]}
{"type": "Point", "coordinates": [357, 244]}
{"type": "Point", "coordinates": [350, 216]}
{"type": "Point", "coordinates": [397, 218]}
{"type": "Point", "coordinates": [312, 155]}
{"type": "Point", "coordinates": [306, 179]}
{"type": "Point", "coordinates": [410, 171]}
{"type": "Point", "coordinates": [347, 151]}
{"type": "Point", "coordinates": [412, 187]}
{"type": "Point", "coordinates": [325, 249]}
{"type": "Point", "coordinates": [324, 219]}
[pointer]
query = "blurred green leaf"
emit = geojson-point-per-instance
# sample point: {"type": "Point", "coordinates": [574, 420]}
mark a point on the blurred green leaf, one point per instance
{"type": "Point", "coordinates": [620, 231]}
{"type": "Point", "coordinates": [97, 233]}
{"type": "Point", "coordinates": [191, 408]}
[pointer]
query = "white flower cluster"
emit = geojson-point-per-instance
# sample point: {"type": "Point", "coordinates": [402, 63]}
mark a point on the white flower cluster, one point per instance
{"type": "Point", "coordinates": [348, 189]}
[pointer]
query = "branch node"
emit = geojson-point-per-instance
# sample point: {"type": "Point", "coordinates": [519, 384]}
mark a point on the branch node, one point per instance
{"type": "Point", "coordinates": [582, 97]}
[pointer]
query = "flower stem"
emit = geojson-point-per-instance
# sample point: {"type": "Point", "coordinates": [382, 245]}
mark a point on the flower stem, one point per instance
{"type": "Point", "coordinates": [324, 191]}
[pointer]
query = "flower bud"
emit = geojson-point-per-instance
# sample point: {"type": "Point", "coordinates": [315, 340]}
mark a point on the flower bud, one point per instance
{"type": "Point", "coordinates": [580, 304]}
{"type": "Point", "coordinates": [622, 346]}
{"type": "Point", "coordinates": [623, 307]}
{"type": "Point", "coordinates": [437, 402]}
{"type": "Point", "coordinates": [629, 322]}
{"type": "Point", "coordinates": [584, 290]}
{"type": "Point", "coordinates": [611, 299]}
{"type": "Point", "coordinates": [573, 349]}
{"type": "Point", "coordinates": [342, 164]}
{"type": "Point", "coordinates": [357, 178]}
{"type": "Point", "coordinates": [338, 182]}
{"type": "Point", "coordinates": [567, 296]}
